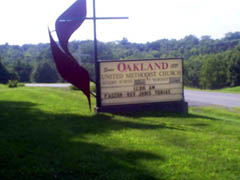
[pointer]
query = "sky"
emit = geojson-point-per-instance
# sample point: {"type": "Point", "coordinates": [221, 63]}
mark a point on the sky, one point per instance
{"type": "Point", "coordinates": [27, 21]}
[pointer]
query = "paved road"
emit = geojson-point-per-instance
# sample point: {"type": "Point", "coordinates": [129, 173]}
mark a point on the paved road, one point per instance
{"type": "Point", "coordinates": [47, 85]}
{"type": "Point", "coordinates": [202, 98]}
{"type": "Point", "coordinates": [194, 98]}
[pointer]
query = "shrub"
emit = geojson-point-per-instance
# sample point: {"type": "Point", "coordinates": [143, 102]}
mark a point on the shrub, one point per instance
{"type": "Point", "coordinates": [12, 83]}
{"type": "Point", "coordinates": [20, 85]}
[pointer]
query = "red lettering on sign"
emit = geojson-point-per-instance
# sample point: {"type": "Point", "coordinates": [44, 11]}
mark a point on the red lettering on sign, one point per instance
{"type": "Point", "coordinates": [124, 67]}
{"type": "Point", "coordinates": [129, 67]}
{"type": "Point", "coordinates": [150, 67]}
{"type": "Point", "coordinates": [121, 67]}
{"type": "Point", "coordinates": [135, 67]}
{"type": "Point", "coordinates": [164, 65]}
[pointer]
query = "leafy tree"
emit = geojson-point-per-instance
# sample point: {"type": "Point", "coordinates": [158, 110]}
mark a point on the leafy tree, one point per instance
{"type": "Point", "coordinates": [23, 71]}
{"type": "Point", "coordinates": [204, 58]}
{"type": "Point", "coordinates": [4, 74]}
{"type": "Point", "coordinates": [214, 72]}
{"type": "Point", "coordinates": [192, 70]}
{"type": "Point", "coordinates": [231, 35]}
{"type": "Point", "coordinates": [234, 67]}
{"type": "Point", "coordinates": [45, 73]}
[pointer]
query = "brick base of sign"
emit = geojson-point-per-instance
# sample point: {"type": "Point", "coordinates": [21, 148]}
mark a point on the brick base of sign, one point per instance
{"type": "Point", "coordinates": [175, 107]}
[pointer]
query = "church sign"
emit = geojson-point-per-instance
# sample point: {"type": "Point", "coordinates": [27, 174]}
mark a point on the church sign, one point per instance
{"type": "Point", "coordinates": [123, 85]}
{"type": "Point", "coordinates": [129, 82]}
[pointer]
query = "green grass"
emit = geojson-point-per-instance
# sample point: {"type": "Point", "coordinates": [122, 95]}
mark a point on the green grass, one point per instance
{"type": "Point", "coordinates": [224, 90]}
{"type": "Point", "coordinates": [48, 133]}
{"type": "Point", "coordinates": [231, 90]}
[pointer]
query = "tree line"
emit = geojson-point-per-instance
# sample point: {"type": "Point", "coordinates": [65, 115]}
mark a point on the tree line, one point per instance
{"type": "Point", "coordinates": [208, 63]}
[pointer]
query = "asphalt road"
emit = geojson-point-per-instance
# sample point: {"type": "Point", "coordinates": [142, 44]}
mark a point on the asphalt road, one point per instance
{"type": "Point", "coordinates": [194, 98]}
{"type": "Point", "coordinates": [47, 85]}
{"type": "Point", "coordinates": [203, 98]}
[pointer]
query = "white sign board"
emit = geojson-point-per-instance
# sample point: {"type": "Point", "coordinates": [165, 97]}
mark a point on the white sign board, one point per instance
{"type": "Point", "coordinates": [141, 81]}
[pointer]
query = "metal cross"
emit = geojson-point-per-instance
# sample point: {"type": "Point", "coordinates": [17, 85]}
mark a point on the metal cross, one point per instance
{"type": "Point", "coordinates": [97, 66]}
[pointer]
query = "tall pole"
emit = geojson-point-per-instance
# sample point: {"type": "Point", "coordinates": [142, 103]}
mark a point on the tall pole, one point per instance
{"type": "Point", "coordinates": [97, 67]}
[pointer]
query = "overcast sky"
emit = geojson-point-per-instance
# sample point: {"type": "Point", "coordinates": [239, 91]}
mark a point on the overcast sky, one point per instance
{"type": "Point", "coordinates": [26, 21]}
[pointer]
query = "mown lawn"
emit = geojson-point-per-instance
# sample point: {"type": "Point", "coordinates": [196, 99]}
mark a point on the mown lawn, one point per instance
{"type": "Point", "coordinates": [223, 90]}
{"type": "Point", "coordinates": [48, 133]}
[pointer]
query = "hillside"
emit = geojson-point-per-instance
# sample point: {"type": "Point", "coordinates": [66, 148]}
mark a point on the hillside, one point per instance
{"type": "Point", "coordinates": [209, 63]}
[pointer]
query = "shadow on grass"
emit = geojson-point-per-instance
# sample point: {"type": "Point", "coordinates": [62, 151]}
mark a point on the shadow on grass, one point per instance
{"type": "Point", "coordinates": [164, 114]}
{"type": "Point", "coordinates": [39, 145]}
{"type": "Point", "coordinates": [200, 125]}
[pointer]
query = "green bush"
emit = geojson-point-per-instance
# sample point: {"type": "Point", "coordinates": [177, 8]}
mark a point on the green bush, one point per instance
{"type": "Point", "coordinates": [12, 83]}
{"type": "Point", "coordinates": [20, 85]}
